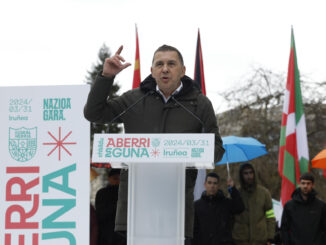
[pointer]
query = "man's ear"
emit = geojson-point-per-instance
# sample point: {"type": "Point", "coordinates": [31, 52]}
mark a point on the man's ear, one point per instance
{"type": "Point", "coordinates": [152, 70]}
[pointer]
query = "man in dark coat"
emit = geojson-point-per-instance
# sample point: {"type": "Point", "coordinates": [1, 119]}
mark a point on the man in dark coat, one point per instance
{"type": "Point", "coordinates": [106, 207]}
{"type": "Point", "coordinates": [304, 217]}
{"type": "Point", "coordinates": [214, 213]}
{"type": "Point", "coordinates": [156, 108]}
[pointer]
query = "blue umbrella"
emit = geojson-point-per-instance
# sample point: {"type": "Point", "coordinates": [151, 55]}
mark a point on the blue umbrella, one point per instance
{"type": "Point", "coordinates": [241, 149]}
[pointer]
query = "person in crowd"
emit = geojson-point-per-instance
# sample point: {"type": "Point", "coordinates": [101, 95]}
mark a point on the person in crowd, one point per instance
{"type": "Point", "coordinates": [214, 213]}
{"type": "Point", "coordinates": [304, 217]}
{"type": "Point", "coordinates": [93, 228]}
{"type": "Point", "coordinates": [106, 206]}
{"type": "Point", "coordinates": [256, 224]}
{"type": "Point", "coordinates": [167, 101]}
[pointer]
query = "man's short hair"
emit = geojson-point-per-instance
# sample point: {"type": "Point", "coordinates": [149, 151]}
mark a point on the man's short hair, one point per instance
{"type": "Point", "coordinates": [213, 175]}
{"type": "Point", "coordinates": [307, 176]}
{"type": "Point", "coordinates": [164, 48]}
{"type": "Point", "coordinates": [112, 171]}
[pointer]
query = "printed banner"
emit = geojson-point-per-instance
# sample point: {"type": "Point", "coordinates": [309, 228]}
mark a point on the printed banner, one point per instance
{"type": "Point", "coordinates": [44, 166]}
{"type": "Point", "coordinates": [166, 148]}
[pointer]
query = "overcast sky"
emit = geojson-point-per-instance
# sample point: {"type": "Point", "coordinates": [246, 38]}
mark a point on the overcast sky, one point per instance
{"type": "Point", "coordinates": [45, 42]}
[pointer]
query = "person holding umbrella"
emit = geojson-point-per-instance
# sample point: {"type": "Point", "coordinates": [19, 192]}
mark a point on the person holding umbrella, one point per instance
{"type": "Point", "coordinates": [256, 224]}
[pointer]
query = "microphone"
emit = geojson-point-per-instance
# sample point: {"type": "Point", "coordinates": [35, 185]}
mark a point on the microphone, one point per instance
{"type": "Point", "coordinates": [191, 113]}
{"type": "Point", "coordinates": [128, 108]}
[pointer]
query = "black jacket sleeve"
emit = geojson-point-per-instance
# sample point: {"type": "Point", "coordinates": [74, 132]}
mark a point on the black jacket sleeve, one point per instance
{"type": "Point", "coordinates": [97, 108]}
{"type": "Point", "coordinates": [236, 203]}
{"type": "Point", "coordinates": [195, 240]}
{"type": "Point", "coordinates": [323, 218]}
{"type": "Point", "coordinates": [104, 207]}
{"type": "Point", "coordinates": [285, 226]}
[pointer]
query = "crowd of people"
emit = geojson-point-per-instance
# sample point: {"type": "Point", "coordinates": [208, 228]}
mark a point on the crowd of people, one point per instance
{"type": "Point", "coordinates": [246, 217]}
{"type": "Point", "coordinates": [168, 101]}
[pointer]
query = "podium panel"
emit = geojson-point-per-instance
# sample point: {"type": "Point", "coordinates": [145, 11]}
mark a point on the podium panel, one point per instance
{"type": "Point", "coordinates": [156, 187]}
{"type": "Point", "coordinates": [120, 150]}
{"type": "Point", "coordinates": [156, 204]}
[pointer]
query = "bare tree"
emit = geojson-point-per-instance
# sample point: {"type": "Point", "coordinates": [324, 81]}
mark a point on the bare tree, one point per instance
{"type": "Point", "coordinates": [257, 112]}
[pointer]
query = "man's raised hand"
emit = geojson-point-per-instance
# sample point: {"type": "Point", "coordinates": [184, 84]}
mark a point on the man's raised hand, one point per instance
{"type": "Point", "coordinates": [113, 65]}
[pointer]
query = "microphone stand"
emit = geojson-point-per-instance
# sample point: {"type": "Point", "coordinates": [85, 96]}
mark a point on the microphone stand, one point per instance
{"type": "Point", "coordinates": [191, 113]}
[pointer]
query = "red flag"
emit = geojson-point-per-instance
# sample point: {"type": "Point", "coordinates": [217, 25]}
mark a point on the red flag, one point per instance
{"type": "Point", "coordinates": [199, 67]}
{"type": "Point", "coordinates": [136, 80]}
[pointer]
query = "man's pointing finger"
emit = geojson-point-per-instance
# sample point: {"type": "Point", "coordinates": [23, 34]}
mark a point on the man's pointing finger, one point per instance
{"type": "Point", "coordinates": [119, 50]}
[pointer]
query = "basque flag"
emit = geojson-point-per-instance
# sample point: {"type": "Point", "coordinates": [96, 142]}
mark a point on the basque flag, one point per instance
{"type": "Point", "coordinates": [293, 154]}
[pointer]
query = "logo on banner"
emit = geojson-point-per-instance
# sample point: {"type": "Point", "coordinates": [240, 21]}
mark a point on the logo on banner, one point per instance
{"type": "Point", "coordinates": [59, 143]}
{"type": "Point", "coordinates": [196, 152]}
{"type": "Point", "coordinates": [155, 152]}
{"type": "Point", "coordinates": [156, 142]}
{"type": "Point", "coordinates": [22, 143]}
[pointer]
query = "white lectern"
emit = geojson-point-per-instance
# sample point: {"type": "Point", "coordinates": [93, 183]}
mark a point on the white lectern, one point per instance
{"type": "Point", "coordinates": [156, 163]}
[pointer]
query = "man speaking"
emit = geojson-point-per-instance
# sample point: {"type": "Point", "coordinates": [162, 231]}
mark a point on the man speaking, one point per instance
{"type": "Point", "coordinates": [167, 101]}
